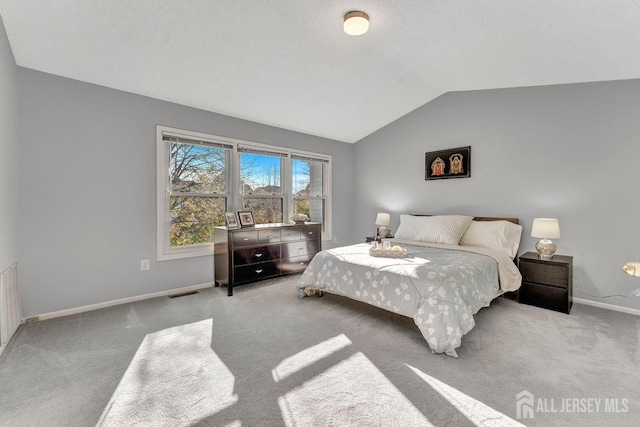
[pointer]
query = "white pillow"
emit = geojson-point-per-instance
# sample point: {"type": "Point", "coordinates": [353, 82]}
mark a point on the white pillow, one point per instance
{"type": "Point", "coordinates": [501, 235]}
{"type": "Point", "coordinates": [445, 229]}
{"type": "Point", "coordinates": [410, 226]}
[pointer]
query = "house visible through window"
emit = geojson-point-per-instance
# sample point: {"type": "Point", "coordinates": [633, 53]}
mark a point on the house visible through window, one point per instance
{"type": "Point", "coordinates": [261, 185]}
{"type": "Point", "coordinates": [200, 177]}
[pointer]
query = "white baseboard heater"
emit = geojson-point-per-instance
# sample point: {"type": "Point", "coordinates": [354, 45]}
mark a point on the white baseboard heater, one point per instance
{"type": "Point", "coordinates": [10, 308]}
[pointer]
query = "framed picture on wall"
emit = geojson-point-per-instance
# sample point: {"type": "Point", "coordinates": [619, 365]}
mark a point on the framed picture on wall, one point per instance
{"type": "Point", "coordinates": [450, 163]}
{"type": "Point", "coordinates": [246, 219]}
{"type": "Point", "coordinates": [232, 220]}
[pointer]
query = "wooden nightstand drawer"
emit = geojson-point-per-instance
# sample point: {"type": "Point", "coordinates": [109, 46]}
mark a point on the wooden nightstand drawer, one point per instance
{"type": "Point", "coordinates": [546, 283]}
{"type": "Point", "coordinates": [545, 273]}
{"type": "Point", "coordinates": [545, 296]}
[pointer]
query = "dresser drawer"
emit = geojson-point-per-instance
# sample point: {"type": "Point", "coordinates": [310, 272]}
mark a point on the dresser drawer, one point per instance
{"type": "Point", "coordinates": [548, 274]}
{"type": "Point", "coordinates": [290, 234]}
{"type": "Point", "coordinates": [268, 236]}
{"type": "Point", "coordinates": [249, 273]}
{"type": "Point", "coordinates": [295, 264]}
{"type": "Point", "coordinates": [310, 233]}
{"type": "Point", "coordinates": [545, 296]}
{"type": "Point", "coordinates": [304, 247]}
{"type": "Point", "coordinates": [245, 238]}
{"type": "Point", "coordinates": [257, 254]}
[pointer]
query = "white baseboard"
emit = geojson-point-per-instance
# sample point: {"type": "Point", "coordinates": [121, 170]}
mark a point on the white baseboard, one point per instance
{"type": "Point", "coordinates": [613, 307]}
{"type": "Point", "coordinates": [84, 308]}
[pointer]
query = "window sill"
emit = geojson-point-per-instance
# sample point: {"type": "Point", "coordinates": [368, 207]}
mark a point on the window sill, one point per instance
{"type": "Point", "coordinates": [187, 252]}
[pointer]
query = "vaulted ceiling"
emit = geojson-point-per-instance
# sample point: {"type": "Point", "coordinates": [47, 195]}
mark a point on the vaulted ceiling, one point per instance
{"type": "Point", "coordinates": [289, 64]}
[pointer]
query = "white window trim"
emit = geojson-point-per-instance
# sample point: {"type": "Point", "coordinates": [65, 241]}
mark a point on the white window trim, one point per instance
{"type": "Point", "coordinates": [327, 233]}
{"type": "Point", "coordinates": [164, 251]}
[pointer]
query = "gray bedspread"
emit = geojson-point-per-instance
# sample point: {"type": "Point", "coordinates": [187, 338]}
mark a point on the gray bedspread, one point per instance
{"type": "Point", "coordinates": [441, 289]}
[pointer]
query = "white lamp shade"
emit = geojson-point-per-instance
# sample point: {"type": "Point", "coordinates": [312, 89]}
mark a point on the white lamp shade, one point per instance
{"type": "Point", "coordinates": [545, 228]}
{"type": "Point", "coordinates": [356, 23]}
{"type": "Point", "coordinates": [383, 219]}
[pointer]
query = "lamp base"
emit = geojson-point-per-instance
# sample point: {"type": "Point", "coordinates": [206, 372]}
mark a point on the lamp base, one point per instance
{"type": "Point", "coordinates": [384, 232]}
{"type": "Point", "coordinates": [546, 248]}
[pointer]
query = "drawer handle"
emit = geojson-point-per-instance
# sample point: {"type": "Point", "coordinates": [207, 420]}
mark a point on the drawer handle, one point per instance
{"type": "Point", "coordinates": [301, 263]}
{"type": "Point", "coordinates": [258, 255]}
{"type": "Point", "coordinates": [310, 232]}
{"type": "Point", "coordinates": [245, 239]}
{"type": "Point", "coordinates": [259, 271]}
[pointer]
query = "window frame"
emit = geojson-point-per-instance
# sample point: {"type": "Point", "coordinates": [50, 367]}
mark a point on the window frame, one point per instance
{"type": "Point", "coordinates": [326, 188]}
{"type": "Point", "coordinates": [283, 180]}
{"type": "Point", "coordinates": [233, 192]}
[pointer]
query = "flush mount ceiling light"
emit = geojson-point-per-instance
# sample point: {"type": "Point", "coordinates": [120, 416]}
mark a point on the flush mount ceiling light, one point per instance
{"type": "Point", "coordinates": [356, 23]}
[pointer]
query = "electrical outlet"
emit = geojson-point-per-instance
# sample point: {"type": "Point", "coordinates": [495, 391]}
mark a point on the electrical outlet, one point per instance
{"type": "Point", "coordinates": [145, 265]}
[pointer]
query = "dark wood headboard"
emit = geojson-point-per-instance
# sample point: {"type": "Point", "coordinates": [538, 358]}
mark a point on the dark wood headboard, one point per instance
{"type": "Point", "coordinates": [484, 218]}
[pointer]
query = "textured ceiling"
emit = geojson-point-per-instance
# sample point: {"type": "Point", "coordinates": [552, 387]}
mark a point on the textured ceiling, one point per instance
{"type": "Point", "coordinates": [289, 64]}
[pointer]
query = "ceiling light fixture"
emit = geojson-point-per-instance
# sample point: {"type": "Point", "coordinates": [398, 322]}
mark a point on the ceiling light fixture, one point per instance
{"type": "Point", "coordinates": [356, 23]}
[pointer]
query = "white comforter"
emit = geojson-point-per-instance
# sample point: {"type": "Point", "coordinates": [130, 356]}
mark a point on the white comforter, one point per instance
{"type": "Point", "coordinates": [441, 287]}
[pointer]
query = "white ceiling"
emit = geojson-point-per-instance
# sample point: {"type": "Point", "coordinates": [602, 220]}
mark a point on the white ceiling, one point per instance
{"type": "Point", "coordinates": [289, 64]}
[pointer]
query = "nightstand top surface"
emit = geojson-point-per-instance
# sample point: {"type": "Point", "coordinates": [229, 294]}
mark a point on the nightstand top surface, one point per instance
{"type": "Point", "coordinates": [558, 259]}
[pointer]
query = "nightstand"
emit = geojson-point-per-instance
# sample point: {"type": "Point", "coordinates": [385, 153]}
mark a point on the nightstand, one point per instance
{"type": "Point", "coordinates": [546, 283]}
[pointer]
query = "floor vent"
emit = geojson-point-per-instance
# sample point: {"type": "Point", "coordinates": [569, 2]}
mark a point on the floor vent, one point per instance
{"type": "Point", "coordinates": [184, 294]}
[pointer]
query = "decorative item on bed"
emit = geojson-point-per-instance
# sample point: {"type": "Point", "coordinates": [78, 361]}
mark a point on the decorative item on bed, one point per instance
{"type": "Point", "coordinates": [458, 265]}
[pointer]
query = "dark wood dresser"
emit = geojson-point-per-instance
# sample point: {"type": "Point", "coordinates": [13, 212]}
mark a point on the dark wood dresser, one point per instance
{"type": "Point", "coordinates": [546, 283]}
{"type": "Point", "coordinates": [246, 255]}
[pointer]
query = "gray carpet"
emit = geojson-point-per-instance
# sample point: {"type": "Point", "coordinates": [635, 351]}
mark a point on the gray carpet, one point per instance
{"type": "Point", "coordinates": [265, 357]}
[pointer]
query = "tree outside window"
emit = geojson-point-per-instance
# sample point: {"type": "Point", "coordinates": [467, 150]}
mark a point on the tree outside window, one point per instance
{"type": "Point", "coordinates": [261, 186]}
{"type": "Point", "coordinates": [197, 192]}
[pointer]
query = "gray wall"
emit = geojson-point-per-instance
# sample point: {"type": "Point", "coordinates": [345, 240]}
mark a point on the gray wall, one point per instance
{"type": "Point", "coordinates": [88, 190]}
{"type": "Point", "coordinates": [568, 151]}
{"type": "Point", "coordinates": [8, 153]}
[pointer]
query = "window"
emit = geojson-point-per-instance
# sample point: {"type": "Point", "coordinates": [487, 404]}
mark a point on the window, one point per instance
{"type": "Point", "coordinates": [309, 187]}
{"type": "Point", "coordinates": [193, 193]}
{"type": "Point", "coordinates": [200, 177]}
{"type": "Point", "coordinates": [261, 184]}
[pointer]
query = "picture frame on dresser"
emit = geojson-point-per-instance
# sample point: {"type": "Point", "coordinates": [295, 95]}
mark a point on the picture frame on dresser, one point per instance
{"type": "Point", "coordinates": [246, 219]}
{"type": "Point", "coordinates": [232, 220]}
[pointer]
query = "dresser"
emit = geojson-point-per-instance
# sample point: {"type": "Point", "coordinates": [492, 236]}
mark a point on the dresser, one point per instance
{"type": "Point", "coordinates": [546, 283]}
{"type": "Point", "coordinates": [247, 255]}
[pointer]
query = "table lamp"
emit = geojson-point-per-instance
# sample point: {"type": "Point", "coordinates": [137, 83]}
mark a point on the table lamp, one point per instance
{"type": "Point", "coordinates": [545, 229]}
{"type": "Point", "coordinates": [383, 220]}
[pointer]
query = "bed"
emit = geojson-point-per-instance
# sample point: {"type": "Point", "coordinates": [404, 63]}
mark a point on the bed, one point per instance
{"type": "Point", "coordinates": [440, 283]}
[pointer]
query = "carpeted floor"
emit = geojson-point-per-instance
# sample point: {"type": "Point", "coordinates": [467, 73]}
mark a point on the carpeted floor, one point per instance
{"type": "Point", "coordinates": [264, 357]}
